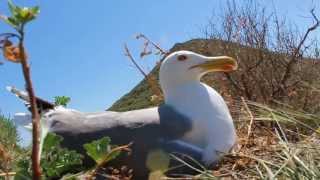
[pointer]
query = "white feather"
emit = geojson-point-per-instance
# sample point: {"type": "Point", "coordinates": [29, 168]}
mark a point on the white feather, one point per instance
{"type": "Point", "coordinates": [213, 128]}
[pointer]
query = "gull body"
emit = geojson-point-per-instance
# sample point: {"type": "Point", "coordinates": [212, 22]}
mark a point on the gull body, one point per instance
{"type": "Point", "coordinates": [212, 126]}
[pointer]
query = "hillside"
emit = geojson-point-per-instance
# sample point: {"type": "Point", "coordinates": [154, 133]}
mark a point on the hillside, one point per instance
{"type": "Point", "coordinates": [250, 84]}
{"type": "Point", "coordinates": [139, 96]}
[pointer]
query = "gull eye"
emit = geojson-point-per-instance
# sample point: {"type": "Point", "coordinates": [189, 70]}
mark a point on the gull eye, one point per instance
{"type": "Point", "coordinates": [182, 58]}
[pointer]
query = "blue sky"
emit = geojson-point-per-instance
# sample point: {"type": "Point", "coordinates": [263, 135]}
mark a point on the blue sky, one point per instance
{"type": "Point", "coordinates": [76, 47]}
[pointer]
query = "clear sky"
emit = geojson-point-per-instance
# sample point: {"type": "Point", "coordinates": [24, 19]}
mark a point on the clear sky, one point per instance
{"type": "Point", "coordinates": [76, 47]}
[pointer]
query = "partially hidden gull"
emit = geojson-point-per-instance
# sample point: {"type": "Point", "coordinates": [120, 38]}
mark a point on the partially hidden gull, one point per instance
{"type": "Point", "coordinates": [193, 120]}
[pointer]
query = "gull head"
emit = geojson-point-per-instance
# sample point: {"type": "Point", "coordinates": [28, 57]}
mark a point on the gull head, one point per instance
{"type": "Point", "coordinates": [185, 66]}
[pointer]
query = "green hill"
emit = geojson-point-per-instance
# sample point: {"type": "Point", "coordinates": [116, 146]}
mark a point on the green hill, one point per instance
{"type": "Point", "coordinates": [259, 84]}
{"type": "Point", "coordinates": [140, 96]}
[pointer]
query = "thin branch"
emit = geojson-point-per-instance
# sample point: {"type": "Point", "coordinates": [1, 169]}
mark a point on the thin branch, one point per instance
{"type": "Point", "coordinates": [34, 110]}
{"type": "Point", "coordinates": [150, 79]}
{"type": "Point", "coordinates": [128, 54]}
{"type": "Point", "coordinates": [163, 52]}
{"type": "Point", "coordinates": [233, 82]}
{"type": "Point", "coordinates": [294, 59]}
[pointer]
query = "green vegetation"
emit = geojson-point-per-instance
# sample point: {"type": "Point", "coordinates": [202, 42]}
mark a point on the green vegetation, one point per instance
{"type": "Point", "coordinates": [9, 149]}
{"type": "Point", "coordinates": [20, 16]}
{"type": "Point", "coordinates": [139, 97]}
{"type": "Point", "coordinates": [61, 100]}
{"type": "Point", "coordinates": [8, 134]}
{"type": "Point", "coordinates": [55, 160]}
{"type": "Point", "coordinates": [100, 150]}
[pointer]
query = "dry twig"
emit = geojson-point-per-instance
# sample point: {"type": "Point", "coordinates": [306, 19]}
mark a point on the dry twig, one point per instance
{"type": "Point", "coordinates": [150, 79]}
{"type": "Point", "coordinates": [294, 58]}
{"type": "Point", "coordinates": [251, 119]}
{"type": "Point", "coordinates": [162, 51]}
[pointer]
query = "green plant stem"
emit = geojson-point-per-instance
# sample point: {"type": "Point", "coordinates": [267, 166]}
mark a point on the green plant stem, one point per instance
{"type": "Point", "coordinates": [36, 169]}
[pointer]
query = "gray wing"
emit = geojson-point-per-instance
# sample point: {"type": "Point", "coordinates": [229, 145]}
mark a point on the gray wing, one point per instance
{"type": "Point", "coordinates": [148, 129]}
{"type": "Point", "coordinates": [145, 126]}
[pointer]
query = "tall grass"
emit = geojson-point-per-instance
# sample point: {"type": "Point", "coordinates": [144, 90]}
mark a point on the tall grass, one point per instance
{"type": "Point", "coordinates": [289, 150]}
{"type": "Point", "coordinates": [9, 149]}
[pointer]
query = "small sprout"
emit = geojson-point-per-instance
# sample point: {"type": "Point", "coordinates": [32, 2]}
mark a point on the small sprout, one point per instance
{"type": "Point", "coordinates": [21, 15]}
{"type": "Point", "coordinates": [61, 100]}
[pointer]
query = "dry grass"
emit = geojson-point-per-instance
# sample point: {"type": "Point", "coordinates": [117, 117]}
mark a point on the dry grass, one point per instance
{"type": "Point", "coordinates": [289, 151]}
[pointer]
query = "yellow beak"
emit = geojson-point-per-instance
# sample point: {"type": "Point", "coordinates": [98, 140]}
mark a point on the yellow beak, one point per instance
{"type": "Point", "coordinates": [219, 63]}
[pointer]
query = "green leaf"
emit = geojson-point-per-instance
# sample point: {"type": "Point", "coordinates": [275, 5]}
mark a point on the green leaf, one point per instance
{"type": "Point", "coordinates": [12, 21]}
{"type": "Point", "coordinates": [59, 161]}
{"type": "Point", "coordinates": [13, 8]}
{"type": "Point", "coordinates": [98, 149]}
{"type": "Point", "coordinates": [22, 15]}
{"type": "Point", "coordinates": [56, 160]}
{"type": "Point", "coordinates": [61, 100]}
{"type": "Point", "coordinates": [23, 169]}
{"type": "Point", "coordinates": [101, 151]}
{"type": "Point", "coordinates": [35, 10]}
{"type": "Point", "coordinates": [51, 141]}
{"type": "Point", "coordinates": [27, 14]}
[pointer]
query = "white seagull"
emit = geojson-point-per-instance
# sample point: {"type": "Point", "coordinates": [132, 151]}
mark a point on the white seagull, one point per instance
{"type": "Point", "coordinates": [194, 118]}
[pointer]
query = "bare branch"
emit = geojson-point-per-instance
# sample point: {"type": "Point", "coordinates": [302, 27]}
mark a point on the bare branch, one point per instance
{"type": "Point", "coordinates": [233, 82]}
{"type": "Point", "coordinates": [287, 74]}
{"type": "Point", "coordinates": [129, 55]}
{"type": "Point", "coordinates": [151, 80]}
{"type": "Point", "coordinates": [162, 51]}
